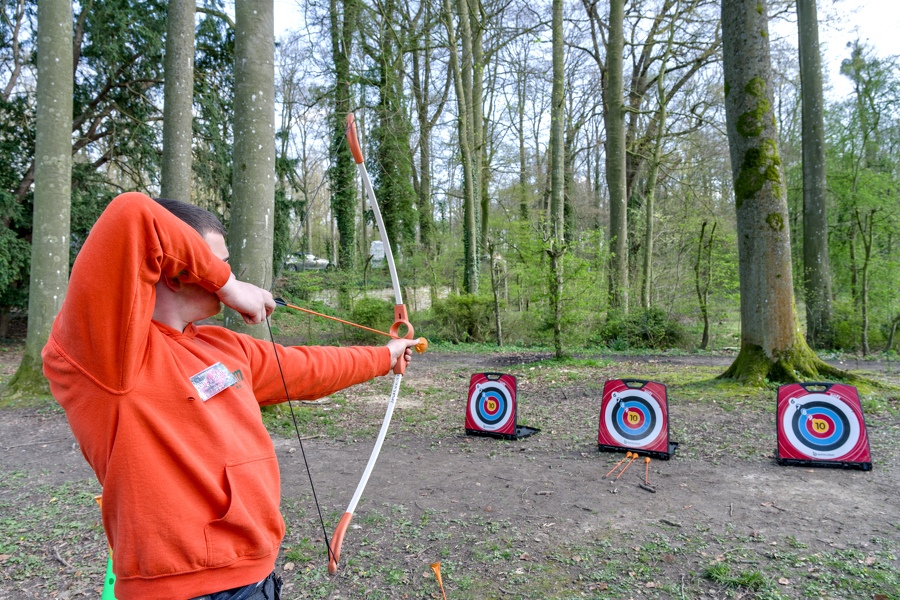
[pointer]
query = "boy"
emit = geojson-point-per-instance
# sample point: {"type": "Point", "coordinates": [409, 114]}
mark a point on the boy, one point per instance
{"type": "Point", "coordinates": [167, 412]}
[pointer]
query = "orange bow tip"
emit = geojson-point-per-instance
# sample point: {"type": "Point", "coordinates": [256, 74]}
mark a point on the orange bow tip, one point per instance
{"type": "Point", "coordinates": [421, 347]}
{"type": "Point", "coordinates": [436, 567]}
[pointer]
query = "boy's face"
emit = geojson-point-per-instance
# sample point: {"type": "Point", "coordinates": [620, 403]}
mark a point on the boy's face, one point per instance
{"type": "Point", "coordinates": [198, 303]}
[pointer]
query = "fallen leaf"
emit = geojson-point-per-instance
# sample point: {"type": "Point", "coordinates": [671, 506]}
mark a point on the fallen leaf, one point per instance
{"type": "Point", "coordinates": [650, 584]}
{"type": "Point", "coordinates": [880, 597]}
{"type": "Point", "coordinates": [288, 566]}
{"type": "Point", "coordinates": [668, 558]}
{"type": "Point", "coordinates": [4, 557]}
{"type": "Point", "coordinates": [784, 581]}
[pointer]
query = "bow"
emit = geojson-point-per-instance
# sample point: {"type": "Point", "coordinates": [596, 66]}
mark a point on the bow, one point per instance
{"type": "Point", "coordinates": [400, 321]}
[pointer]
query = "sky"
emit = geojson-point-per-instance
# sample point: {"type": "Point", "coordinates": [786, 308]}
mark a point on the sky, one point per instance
{"type": "Point", "coordinates": [875, 22]}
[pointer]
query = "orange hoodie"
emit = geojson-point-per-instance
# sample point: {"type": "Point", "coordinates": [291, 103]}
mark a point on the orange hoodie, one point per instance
{"type": "Point", "coordinates": [191, 488]}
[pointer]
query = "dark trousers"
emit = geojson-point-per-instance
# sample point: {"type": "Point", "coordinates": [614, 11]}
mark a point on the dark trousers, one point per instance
{"type": "Point", "coordinates": [267, 589]}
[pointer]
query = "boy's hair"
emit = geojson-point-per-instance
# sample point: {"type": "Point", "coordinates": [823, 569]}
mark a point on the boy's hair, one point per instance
{"type": "Point", "coordinates": [200, 219]}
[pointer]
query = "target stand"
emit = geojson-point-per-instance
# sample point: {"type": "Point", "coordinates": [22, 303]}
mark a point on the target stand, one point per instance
{"type": "Point", "coordinates": [491, 409]}
{"type": "Point", "coordinates": [634, 416]}
{"type": "Point", "coordinates": [821, 425]}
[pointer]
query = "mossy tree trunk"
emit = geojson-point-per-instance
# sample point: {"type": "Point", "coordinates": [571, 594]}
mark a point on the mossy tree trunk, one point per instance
{"type": "Point", "coordinates": [52, 191]}
{"type": "Point", "coordinates": [772, 344]}
{"type": "Point", "coordinates": [343, 15]}
{"type": "Point", "coordinates": [251, 228]}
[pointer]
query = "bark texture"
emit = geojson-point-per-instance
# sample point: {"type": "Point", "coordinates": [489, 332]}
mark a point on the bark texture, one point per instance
{"type": "Point", "coordinates": [614, 115]}
{"type": "Point", "coordinates": [179, 100]}
{"type": "Point", "coordinates": [816, 268]}
{"type": "Point", "coordinates": [252, 224]}
{"type": "Point", "coordinates": [52, 190]}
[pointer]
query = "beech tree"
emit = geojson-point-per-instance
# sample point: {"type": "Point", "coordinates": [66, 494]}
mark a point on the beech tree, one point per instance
{"type": "Point", "coordinates": [816, 267]}
{"type": "Point", "coordinates": [52, 189]}
{"type": "Point", "coordinates": [252, 223]}
{"type": "Point", "coordinates": [178, 108]}
{"type": "Point", "coordinates": [772, 344]}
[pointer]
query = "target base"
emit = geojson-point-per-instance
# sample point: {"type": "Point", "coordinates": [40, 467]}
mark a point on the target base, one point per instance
{"type": "Point", "coordinates": [827, 464]}
{"type": "Point", "coordinates": [522, 431]}
{"type": "Point", "coordinates": [673, 446]}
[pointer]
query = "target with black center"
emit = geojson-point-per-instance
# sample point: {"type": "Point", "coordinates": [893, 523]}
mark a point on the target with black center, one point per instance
{"type": "Point", "coordinates": [821, 424]}
{"type": "Point", "coordinates": [634, 416]}
{"type": "Point", "coordinates": [491, 407]}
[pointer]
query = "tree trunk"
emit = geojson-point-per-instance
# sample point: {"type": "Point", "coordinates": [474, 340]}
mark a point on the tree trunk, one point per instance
{"type": "Point", "coordinates": [464, 133]}
{"type": "Point", "coordinates": [252, 224]}
{"type": "Point", "coordinates": [772, 346]}
{"type": "Point", "coordinates": [179, 101]}
{"type": "Point", "coordinates": [521, 97]}
{"type": "Point", "coordinates": [342, 175]}
{"type": "Point", "coordinates": [703, 286]}
{"type": "Point", "coordinates": [614, 114]}
{"type": "Point", "coordinates": [557, 176]}
{"type": "Point", "coordinates": [651, 184]}
{"type": "Point", "coordinates": [52, 190]}
{"type": "Point", "coordinates": [867, 229]}
{"type": "Point", "coordinates": [816, 268]}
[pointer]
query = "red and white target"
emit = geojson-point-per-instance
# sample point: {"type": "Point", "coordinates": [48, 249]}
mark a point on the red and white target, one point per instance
{"type": "Point", "coordinates": [634, 416]}
{"type": "Point", "coordinates": [821, 424]}
{"type": "Point", "coordinates": [492, 404]}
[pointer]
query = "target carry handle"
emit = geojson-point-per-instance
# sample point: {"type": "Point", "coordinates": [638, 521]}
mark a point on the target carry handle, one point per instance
{"type": "Point", "coordinates": [815, 386]}
{"type": "Point", "coordinates": [337, 539]}
{"type": "Point", "coordinates": [353, 140]}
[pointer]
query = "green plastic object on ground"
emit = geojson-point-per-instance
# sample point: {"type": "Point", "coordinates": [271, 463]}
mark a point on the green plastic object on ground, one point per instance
{"type": "Point", "coordinates": [109, 582]}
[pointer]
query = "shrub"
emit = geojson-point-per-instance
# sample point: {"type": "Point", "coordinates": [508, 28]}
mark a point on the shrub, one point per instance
{"type": "Point", "coordinates": [374, 313]}
{"type": "Point", "coordinates": [465, 318]}
{"type": "Point", "coordinates": [647, 328]}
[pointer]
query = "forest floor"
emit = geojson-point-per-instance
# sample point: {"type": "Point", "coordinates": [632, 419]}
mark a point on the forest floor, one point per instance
{"type": "Point", "coordinates": [531, 518]}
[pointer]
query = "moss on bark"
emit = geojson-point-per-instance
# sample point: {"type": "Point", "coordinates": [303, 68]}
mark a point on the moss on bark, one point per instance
{"type": "Point", "coordinates": [799, 363]}
{"type": "Point", "coordinates": [28, 384]}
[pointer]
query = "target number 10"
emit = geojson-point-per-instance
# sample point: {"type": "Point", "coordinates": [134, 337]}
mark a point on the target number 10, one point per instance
{"type": "Point", "coordinates": [633, 418]}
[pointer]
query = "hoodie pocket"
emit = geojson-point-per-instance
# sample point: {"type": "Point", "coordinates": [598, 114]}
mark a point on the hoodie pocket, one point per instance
{"type": "Point", "coordinates": [252, 526]}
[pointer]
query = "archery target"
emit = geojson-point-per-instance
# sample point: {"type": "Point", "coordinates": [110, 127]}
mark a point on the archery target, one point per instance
{"type": "Point", "coordinates": [821, 422]}
{"type": "Point", "coordinates": [492, 403]}
{"type": "Point", "coordinates": [633, 416]}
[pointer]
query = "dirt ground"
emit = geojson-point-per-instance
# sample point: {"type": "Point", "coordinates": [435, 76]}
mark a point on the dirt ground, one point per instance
{"type": "Point", "coordinates": [526, 519]}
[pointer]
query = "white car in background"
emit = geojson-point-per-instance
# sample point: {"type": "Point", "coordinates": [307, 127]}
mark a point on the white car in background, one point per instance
{"type": "Point", "coordinates": [306, 262]}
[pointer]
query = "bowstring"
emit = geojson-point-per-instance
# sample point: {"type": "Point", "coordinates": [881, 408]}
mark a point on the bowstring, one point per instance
{"type": "Point", "coordinates": [290, 404]}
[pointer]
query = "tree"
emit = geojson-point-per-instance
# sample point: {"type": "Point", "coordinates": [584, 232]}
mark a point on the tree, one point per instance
{"type": "Point", "coordinates": [178, 108]}
{"type": "Point", "coordinates": [52, 189]}
{"type": "Point", "coordinates": [392, 173]}
{"type": "Point", "coordinates": [465, 135]}
{"type": "Point", "coordinates": [614, 118]}
{"type": "Point", "coordinates": [557, 247]}
{"type": "Point", "coordinates": [816, 267]}
{"type": "Point", "coordinates": [424, 24]}
{"type": "Point", "coordinates": [772, 346]}
{"type": "Point", "coordinates": [342, 174]}
{"type": "Point", "coordinates": [251, 227]}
